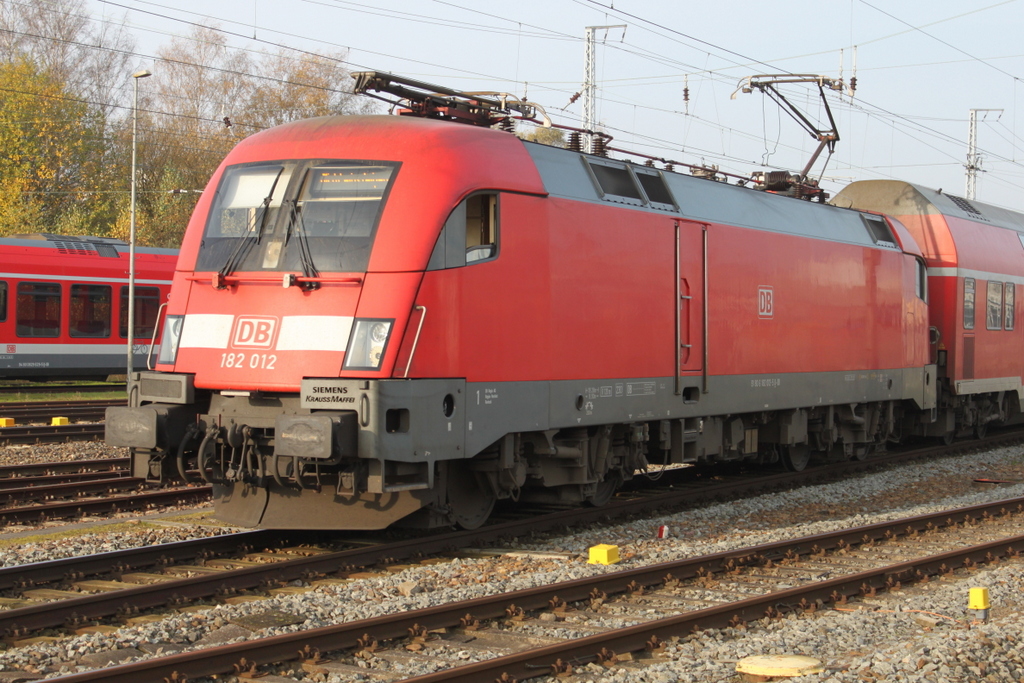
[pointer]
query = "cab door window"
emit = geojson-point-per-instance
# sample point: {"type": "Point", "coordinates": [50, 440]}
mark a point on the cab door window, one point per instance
{"type": "Point", "coordinates": [470, 234]}
{"type": "Point", "coordinates": [481, 223]}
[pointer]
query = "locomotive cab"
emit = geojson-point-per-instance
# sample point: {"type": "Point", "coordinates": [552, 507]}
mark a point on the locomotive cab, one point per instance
{"type": "Point", "coordinates": [287, 375]}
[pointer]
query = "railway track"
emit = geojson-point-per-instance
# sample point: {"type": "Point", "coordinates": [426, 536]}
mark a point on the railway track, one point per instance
{"type": "Point", "coordinates": [670, 599]}
{"type": "Point", "coordinates": [38, 434]}
{"type": "Point", "coordinates": [29, 411]}
{"type": "Point", "coordinates": [41, 492]}
{"type": "Point", "coordinates": [137, 499]}
{"type": "Point", "coordinates": [189, 581]}
{"type": "Point", "coordinates": [30, 472]}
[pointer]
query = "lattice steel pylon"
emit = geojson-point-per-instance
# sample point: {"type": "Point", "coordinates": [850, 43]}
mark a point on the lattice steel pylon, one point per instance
{"type": "Point", "coordinates": [973, 158]}
{"type": "Point", "coordinates": [590, 81]}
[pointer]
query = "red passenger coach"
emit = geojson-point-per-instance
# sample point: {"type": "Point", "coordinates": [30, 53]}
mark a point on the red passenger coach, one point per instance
{"type": "Point", "coordinates": [975, 257]}
{"type": "Point", "coordinates": [64, 305]}
{"type": "Point", "coordinates": [393, 319]}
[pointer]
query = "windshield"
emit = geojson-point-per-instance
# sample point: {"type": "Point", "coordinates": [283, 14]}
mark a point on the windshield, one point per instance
{"type": "Point", "coordinates": [308, 216]}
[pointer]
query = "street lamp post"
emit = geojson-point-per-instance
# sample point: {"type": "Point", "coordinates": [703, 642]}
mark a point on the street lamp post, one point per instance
{"type": "Point", "coordinates": [131, 231]}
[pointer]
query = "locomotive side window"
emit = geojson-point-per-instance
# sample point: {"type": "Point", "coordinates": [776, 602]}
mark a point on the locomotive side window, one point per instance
{"type": "Point", "coordinates": [615, 182]}
{"type": "Point", "coordinates": [969, 303]}
{"type": "Point", "coordinates": [3, 302]}
{"type": "Point", "coordinates": [994, 307]}
{"type": "Point", "coordinates": [481, 227]}
{"type": "Point", "coordinates": [147, 305]}
{"type": "Point", "coordinates": [1008, 306]}
{"type": "Point", "coordinates": [625, 184]}
{"type": "Point", "coordinates": [89, 311]}
{"type": "Point", "coordinates": [654, 187]}
{"type": "Point", "coordinates": [38, 309]}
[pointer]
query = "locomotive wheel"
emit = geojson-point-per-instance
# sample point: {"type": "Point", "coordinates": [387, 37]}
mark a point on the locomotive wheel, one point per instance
{"type": "Point", "coordinates": [606, 488]}
{"type": "Point", "coordinates": [796, 457]}
{"type": "Point", "coordinates": [469, 499]}
{"type": "Point", "coordinates": [980, 430]}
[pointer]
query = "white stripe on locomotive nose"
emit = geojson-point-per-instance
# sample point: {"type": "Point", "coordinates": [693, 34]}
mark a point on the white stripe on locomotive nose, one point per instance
{"type": "Point", "coordinates": [206, 331]}
{"type": "Point", "coordinates": [298, 332]}
{"type": "Point", "coordinates": [314, 333]}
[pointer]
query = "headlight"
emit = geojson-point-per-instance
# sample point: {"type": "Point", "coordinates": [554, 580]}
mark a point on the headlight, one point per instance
{"type": "Point", "coordinates": [367, 344]}
{"type": "Point", "coordinates": [171, 338]}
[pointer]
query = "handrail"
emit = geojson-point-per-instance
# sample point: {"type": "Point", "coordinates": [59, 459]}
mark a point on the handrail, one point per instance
{"type": "Point", "coordinates": [679, 322]}
{"type": "Point", "coordinates": [152, 342]}
{"type": "Point", "coordinates": [416, 339]}
{"type": "Point", "coordinates": [220, 281]}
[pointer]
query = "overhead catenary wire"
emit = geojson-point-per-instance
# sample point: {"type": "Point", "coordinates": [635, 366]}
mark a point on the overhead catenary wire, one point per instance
{"type": "Point", "coordinates": [716, 74]}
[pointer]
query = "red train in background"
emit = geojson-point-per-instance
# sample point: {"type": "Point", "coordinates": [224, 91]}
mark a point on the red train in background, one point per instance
{"type": "Point", "coordinates": [403, 319]}
{"type": "Point", "coordinates": [64, 305]}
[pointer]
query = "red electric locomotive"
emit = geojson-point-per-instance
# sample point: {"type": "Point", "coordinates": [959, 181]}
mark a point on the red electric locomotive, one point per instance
{"type": "Point", "coordinates": [975, 258]}
{"type": "Point", "coordinates": [383, 319]}
{"type": "Point", "coordinates": [64, 305]}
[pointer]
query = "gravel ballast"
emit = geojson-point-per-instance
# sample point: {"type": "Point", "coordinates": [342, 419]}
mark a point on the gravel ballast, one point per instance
{"type": "Point", "coordinates": [881, 642]}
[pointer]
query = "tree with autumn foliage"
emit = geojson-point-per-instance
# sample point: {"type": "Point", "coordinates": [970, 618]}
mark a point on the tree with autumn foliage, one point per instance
{"type": "Point", "coordinates": [66, 106]}
{"type": "Point", "coordinates": [53, 148]}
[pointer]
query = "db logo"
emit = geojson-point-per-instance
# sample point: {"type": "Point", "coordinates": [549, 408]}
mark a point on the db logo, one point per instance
{"type": "Point", "coordinates": [765, 302]}
{"type": "Point", "coordinates": [12, 348]}
{"type": "Point", "coordinates": [254, 332]}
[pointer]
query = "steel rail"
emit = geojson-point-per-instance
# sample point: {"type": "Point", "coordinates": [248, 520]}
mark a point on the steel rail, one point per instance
{"type": "Point", "coordinates": [218, 660]}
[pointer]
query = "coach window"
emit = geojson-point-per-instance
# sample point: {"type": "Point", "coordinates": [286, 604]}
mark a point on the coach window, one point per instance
{"type": "Point", "coordinates": [969, 303]}
{"type": "Point", "coordinates": [3, 302]}
{"type": "Point", "coordinates": [38, 309]}
{"type": "Point", "coordinates": [994, 307]}
{"type": "Point", "coordinates": [147, 305]}
{"type": "Point", "coordinates": [1008, 306]}
{"type": "Point", "coordinates": [89, 311]}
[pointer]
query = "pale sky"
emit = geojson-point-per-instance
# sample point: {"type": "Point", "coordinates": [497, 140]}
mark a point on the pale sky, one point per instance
{"type": "Point", "coordinates": [920, 67]}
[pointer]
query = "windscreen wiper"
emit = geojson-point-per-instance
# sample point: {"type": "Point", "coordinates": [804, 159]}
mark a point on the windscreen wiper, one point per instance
{"type": "Point", "coordinates": [309, 269]}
